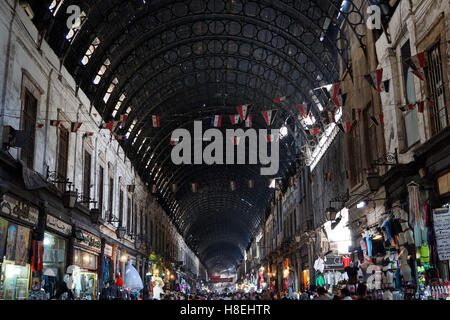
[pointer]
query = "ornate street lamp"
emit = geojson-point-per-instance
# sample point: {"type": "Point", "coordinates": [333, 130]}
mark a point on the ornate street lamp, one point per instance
{"type": "Point", "coordinates": [94, 215]}
{"type": "Point", "coordinates": [70, 198]}
{"type": "Point", "coordinates": [331, 213]}
{"type": "Point", "coordinates": [374, 181]}
{"type": "Point", "coordinates": [120, 232]}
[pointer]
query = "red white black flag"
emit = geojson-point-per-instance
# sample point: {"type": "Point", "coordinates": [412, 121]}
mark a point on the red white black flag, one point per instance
{"type": "Point", "coordinates": [301, 108]}
{"type": "Point", "coordinates": [375, 79]}
{"type": "Point", "coordinates": [242, 110]}
{"type": "Point", "coordinates": [216, 121]}
{"type": "Point", "coordinates": [268, 116]}
{"type": "Point", "coordinates": [234, 119]}
{"type": "Point", "coordinates": [251, 184]}
{"type": "Point", "coordinates": [417, 63]}
{"type": "Point", "coordinates": [55, 123]}
{"type": "Point", "coordinates": [155, 120]}
{"type": "Point", "coordinates": [233, 185]}
{"type": "Point", "coordinates": [75, 126]}
{"type": "Point", "coordinates": [248, 121]}
{"type": "Point", "coordinates": [278, 100]}
{"type": "Point", "coordinates": [194, 187]}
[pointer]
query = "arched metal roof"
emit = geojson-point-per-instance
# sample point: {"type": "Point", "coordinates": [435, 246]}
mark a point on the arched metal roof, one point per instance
{"type": "Point", "coordinates": [191, 60]}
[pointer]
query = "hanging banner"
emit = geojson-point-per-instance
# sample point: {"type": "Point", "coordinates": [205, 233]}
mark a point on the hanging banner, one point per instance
{"type": "Point", "coordinates": [441, 221]}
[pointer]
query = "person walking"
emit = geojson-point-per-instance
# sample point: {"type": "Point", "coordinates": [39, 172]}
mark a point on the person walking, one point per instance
{"type": "Point", "coordinates": [322, 294]}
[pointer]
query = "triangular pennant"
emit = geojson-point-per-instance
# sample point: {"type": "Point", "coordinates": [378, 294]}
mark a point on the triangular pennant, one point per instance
{"type": "Point", "coordinates": [234, 119]}
{"type": "Point", "coordinates": [410, 106]}
{"type": "Point", "coordinates": [74, 126]}
{"type": "Point", "coordinates": [374, 120]}
{"type": "Point", "coordinates": [278, 100]}
{"type": "Point", "coordinates": [55, 123]}
{"type": "Point", "coordinates": [123, 120]}
{"type": "Point", "coordinates": [40, 125]}
{"type": "Point", "coordinates": [416, 63]}
{"type": "Point", "coordinates": [335, 88]}
{"type": "Point", "coordinates": [374, 78]}
{"type": "Point", "coordinates": [251, 184]}
{"type": "Point", "coordinates": [249, 121]}
{"type": "Point", "coordinates": [88, 134]}
{"type": "Point", "coordinates": [217, 121]}
{"type": "Point", "coordinates": [174, 187]}
{"type": "Point", "coordinates": [267, 116]}
{"type": "Point", "coordinates": [315, 131]}
{"type": "Point", "coordinates": [301, 108]}
{"type": "Point", "coordinates": [194, 187]}
{"type": "Point", "coordinates": [155, 121]}
{"type": "Point", "coordinates": [233, 185]}
{"type": "Point", "coordinates": [242, 110]}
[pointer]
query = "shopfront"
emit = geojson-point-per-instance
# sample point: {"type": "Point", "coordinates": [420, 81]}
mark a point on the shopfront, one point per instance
{"type": "Point", "coordinates": [108, 265]}
{"type": "Point", "coordinates": [86, 257]}
{"type": "Point", "coordinates": [17, 221]}
{"type": "Point", "coordinates": [55, 253]}
{"type": "Point", "coordinates": [304, 266]}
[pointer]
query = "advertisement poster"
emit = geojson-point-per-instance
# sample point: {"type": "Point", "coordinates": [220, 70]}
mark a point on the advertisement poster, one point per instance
{"type": "Point", "coordinates": [11, 243]}
{"type": "Point", "coordinates": [22, 245]}
{"type": "Point", "coordinates": [3, 233]}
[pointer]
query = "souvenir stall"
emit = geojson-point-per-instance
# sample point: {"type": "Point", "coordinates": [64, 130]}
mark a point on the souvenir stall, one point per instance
{"type": "Point", "coordinates": [17, 220]}
{"type": "Point", "coordinates": [87, 248]}
{"type": "Point", "coordinates": [54, 258]}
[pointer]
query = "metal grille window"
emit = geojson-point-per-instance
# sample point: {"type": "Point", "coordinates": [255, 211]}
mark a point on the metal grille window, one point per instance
{"type": "Point", "coordinates": [63, 151]}
{"type": "Point", "coordinates": [436, 86]}
{"type": "Point", "coordinates": [87, 176]}
{"type": "Point", "coordinates": [101, 173]}
{"type": "Point", "coordinates": [121, 208]}
{"type": "Point", "coordinates": [29, 125]}
{"type": "Point", "coordinates": [129, 222]}
{"type": "Point", "coordinates": [111, 197]}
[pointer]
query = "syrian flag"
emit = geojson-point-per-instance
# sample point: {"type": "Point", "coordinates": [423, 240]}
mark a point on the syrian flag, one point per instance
{"type": "Point", "coordinates": [75, 126]}
{"type": "Point", "coordinates": [268, 116]}
{"type": "Point", "coordinates": [40, 125]}
{"type": "Point", "coordinates": [374, 78]}
{"type": "Point", "coordinates": [55, 123]}
{"type": "Point", "coordinates": [315, 131]}
{"type": "Point", "coordinates": [108, 125]}
{"type": "Point", "coordinates": [88, 134]}
{"type": "Point", "coordinates": [154, 189]}
{"type": "Point", "coordinates": [234, 119]}
{"type": "Point", "coordinates": [174, 187]}
{"type": "Point", "coordinates": [242, 110]}
{"type": "Point", "coordinates": [417, 63]}
{"type": "Point", "coordinates": [278, 100]}
{"type": "Point", "coordinates": [301, 108]}
{"type": "Point", "coordinates": [410, 106]}
{"type": "Point", "coordinates": [248, 121]}
{"type": "Point", "coordinates": [216, 121]}
{"type": "Point", "coordinates": [155, 120]}
{"type": "Point", "coordinates": [194, 187]}
{"type": "Point", "coordinates": [233, 185]}
{"type": "Point", "coordinates": [251, 184]}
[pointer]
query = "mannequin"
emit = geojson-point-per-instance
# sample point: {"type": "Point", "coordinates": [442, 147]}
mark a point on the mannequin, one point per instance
{"type": "Point", "coordinates": [319, 266]}
{"type": "Point", "coordinates": [70, 282]}
{"type": "Point", "coordinates": [157, 287]}
{"type": "Point", "coordinates": [404, 266]}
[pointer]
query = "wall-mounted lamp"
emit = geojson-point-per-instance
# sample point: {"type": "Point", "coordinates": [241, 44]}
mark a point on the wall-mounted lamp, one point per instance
{"type": "Point", "coordinates": [120, 232]}
{"type": "Point", "coordinates": [361, 204]}
{"type": "Point", "coordinates": [331, 213]}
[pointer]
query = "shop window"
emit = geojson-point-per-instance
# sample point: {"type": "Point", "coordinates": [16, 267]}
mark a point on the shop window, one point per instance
{"type": "Point", "coordinates": [54, 263]}
{"type": "Point", "coordinates": [436, 88]}
{"type": "Point", "coordinates": [29, 125]}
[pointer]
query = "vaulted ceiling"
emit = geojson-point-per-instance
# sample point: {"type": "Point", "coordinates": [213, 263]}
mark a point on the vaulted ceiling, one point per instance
{"type": "Point", "coordinates": [191, 60]}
